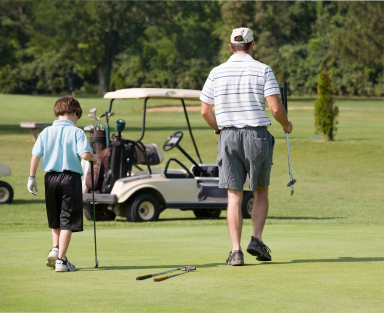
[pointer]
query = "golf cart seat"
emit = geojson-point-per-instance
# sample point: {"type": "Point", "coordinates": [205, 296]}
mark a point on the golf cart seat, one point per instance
{"type": "Point", "coordinates": [151, 156]}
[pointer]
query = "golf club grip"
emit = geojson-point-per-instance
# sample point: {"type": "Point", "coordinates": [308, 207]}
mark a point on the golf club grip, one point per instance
{"type": "Point", "coordinates": [282, 96]}
{"type": "Point", "coordinates": [143, 277]}
{"type": "Point", "coordinates": [160, 278]}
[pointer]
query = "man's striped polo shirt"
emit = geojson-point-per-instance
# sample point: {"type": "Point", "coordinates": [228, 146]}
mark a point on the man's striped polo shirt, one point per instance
{"type": "Point", "coordinates": [237, 89]}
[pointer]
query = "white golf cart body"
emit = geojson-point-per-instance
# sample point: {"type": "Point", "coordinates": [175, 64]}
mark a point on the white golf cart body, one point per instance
{"type": "Point", "coordinates": [172, 188]}
{"type": "Point", "coordinates": [6, 191]}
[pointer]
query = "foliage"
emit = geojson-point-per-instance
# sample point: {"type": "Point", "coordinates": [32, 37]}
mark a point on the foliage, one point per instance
{"type": "Point", "coordinates": [325, 112]}
{"type": "Point", "coordinates": [122, 44]}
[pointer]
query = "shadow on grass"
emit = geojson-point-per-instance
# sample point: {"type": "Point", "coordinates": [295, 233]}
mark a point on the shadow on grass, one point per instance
{"type": "Point", "coordinates": [134, 267]}
{"type": "Point", "coordinates": [302, 218]}
{"type": "Point", "coordinates": [346, 259]}
{"type": "Point", "coordinates": [32, 201]}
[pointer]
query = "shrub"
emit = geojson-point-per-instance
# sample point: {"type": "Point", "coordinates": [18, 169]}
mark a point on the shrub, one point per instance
{"type": "Point", "coordinates": [325, 112]}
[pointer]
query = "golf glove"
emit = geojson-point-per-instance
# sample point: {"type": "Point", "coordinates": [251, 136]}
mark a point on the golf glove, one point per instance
{"type": "Point", "coordinates": [32, 184]}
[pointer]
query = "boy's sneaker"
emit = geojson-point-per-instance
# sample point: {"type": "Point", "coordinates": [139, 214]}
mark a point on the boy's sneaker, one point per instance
{"type": "Point", "coordinates": [235, 258]}
{"type": "Point", "coordinates": [258, 249]}
{"type": "Point", "coordinates": [52, 257]}
{"type": "Point", "coordinates": [64, 266]}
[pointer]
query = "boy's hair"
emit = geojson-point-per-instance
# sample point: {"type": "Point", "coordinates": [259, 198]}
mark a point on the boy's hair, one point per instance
{"type": "Point", "coordinates": [68, 105]}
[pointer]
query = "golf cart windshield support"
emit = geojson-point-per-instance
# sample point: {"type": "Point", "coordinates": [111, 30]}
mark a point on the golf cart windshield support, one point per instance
{"type": "Point", "coordinates": [110, 106]}
{"type": "Point", "coordinates": [190, 131]}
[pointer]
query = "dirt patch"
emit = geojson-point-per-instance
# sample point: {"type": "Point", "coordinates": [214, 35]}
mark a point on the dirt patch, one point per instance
{"type": "Point", "coordinates": [198, 108]}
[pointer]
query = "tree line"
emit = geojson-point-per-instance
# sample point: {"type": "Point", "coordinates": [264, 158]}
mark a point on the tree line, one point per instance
{"type": "Point", "coordinates": [45, 46]}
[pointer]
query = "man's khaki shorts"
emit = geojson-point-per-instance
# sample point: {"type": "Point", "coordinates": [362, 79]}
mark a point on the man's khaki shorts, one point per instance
{"type": "Point", "coordinates": [242, 151]}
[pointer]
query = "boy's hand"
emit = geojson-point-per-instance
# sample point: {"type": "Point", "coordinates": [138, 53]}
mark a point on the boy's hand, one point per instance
{"type": "Point", "coordinates": [32, 184]}
{"type": "Point", "coordinates": [95, 158]}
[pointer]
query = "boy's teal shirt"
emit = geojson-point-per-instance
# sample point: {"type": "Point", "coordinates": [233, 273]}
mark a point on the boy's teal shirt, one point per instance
{"type": "Point", "coordinates": [61, 145]}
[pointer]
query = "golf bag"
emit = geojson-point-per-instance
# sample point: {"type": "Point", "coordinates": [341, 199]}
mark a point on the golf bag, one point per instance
{"type": "Point", "coordinates": [98, 142]}
{"type": "Point", "coordinates": [100, 170]}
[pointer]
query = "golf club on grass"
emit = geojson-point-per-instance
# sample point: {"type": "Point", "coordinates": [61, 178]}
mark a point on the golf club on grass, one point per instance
{"type": "Point", "coordinates": [284, 98]}
{"type": "Point", "coordinates": [94, 214]}
{"type": "Point", "coordinates": [185, 270]}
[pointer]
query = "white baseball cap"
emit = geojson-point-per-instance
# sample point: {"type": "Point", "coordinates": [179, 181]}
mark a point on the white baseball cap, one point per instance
{"type": "Point", "coordinates": [246, 33]}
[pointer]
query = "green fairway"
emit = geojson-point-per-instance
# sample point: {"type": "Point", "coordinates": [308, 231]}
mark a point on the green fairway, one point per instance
{"type": "Point", "coordinates": [327, 240]}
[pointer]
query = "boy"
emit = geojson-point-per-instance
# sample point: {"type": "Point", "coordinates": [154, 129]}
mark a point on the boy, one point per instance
{"type": "Point", "coordinates": [61, 146]}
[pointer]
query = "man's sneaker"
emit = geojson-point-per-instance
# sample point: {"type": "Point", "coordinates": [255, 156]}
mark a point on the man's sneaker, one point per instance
{"type": "Point", "coordinates": [52, 257]}
{"type": "Point", "coordinates": [64, 266]}
{"type": "Point", "coordinates": [258, 249]}
{"type": "Point", "coordinates": [235, 258]}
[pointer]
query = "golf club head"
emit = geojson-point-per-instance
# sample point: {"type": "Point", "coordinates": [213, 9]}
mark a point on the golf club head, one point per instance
{"type": "Point", "coordinates": [188, 268]}
{"type": "Point", "coordinates": [89, 128]}
{"type": "Point", "coordinates": [292, 182]}
{"type": "Point", "coordinates": [102, 115]}
{"type": "Point", "coordinates": [97, 264]}
{"type": "Point", "coordinates": [111, 114]}
{"type": "Point", "coordinates": [91, 115]}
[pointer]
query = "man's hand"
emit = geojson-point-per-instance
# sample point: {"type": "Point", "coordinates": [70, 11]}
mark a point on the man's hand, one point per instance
{"type": "Point", "coordinates": [288, 129]}
{"type": "Point", "coordinates": [32, 184]}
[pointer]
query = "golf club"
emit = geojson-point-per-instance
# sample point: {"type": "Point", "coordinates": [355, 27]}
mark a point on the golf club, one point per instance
{"type": "Point", "coordinates": [169, 276]}
{"type": "Point", "coordinates": [284, 99]}
{"type": "Point", "coordinates": [107, 116]}
{"type": "Point", "coordinates": [185, 269]}
{"type": "Point", "coordinates": [93, 112]}
{"type": "Point", "coordinates": [94, 214]}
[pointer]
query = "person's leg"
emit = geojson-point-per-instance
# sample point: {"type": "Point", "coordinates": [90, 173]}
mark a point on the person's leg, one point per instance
{"type": "Point", "coordinates": [65, 238]}
{"type": "Point", "coordinates": [235, 217]}
{"type": "Point", "coordinates": [259, 211]}
{"type": "Point", "coordinates": [55, 237]}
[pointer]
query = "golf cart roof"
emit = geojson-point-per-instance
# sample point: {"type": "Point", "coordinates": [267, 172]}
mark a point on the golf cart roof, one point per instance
{"type": "Point", "coordinates": [157, 93]}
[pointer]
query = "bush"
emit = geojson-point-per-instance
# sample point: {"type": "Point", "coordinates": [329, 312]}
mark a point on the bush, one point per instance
{"type": "Point", "coordinates": [325, 113]}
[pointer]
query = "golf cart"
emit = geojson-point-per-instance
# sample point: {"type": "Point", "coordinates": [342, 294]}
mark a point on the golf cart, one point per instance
{"type": "Point", "coordinates": [141, 195]}
{"type": "Point", "coordinates": [6, 191]}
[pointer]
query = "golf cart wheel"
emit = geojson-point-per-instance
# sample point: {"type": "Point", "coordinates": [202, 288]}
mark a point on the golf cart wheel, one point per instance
{"type": "Point", "coordinates": [247, 205]}
{"type": "Point", "coordinates": [6, 193]}
{"type": "Point", "coordinates": [199, 213]}
{"type": "Point", "coordinates": [207, 213]}
{"type": "Point", "coordinates": [144, 208]}
{"type": "Point", "coordinates": [101, 212]}
{"type": "Point", "coordinates": [213, 213]}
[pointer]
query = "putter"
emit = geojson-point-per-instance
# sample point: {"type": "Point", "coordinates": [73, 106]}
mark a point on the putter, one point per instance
{"type": "Point", "coordinates": [284, 98]}
{"type": "Point", "coordinates": [94, 215]}
{"type": "Point", "coordinates": [186, 269]}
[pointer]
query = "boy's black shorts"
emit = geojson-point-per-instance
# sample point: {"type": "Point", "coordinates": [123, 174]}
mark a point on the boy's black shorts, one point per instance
{"type": "Point", "coordinates": [64, 200]}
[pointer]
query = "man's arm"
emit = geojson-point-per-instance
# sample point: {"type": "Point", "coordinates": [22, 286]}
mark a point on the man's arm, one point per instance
{"type": "Point", "coordinates": [209, 117]}
{"type": "Point", "coordinates": [88, 156]}
{"type": "Point", "coordinates": [279, 112]}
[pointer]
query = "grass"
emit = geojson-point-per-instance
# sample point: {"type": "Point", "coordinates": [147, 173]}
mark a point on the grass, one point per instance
{"type": "Point", "coordinates": [326, 240]}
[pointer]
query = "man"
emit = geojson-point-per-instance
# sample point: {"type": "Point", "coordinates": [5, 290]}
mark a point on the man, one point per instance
{"type": "Point", "coordinates": [237, 89]}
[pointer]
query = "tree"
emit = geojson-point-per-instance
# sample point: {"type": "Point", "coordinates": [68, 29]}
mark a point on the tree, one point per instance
{"type": "Point", "coordinates": [89, 33]}
{"type": "Point", "coordinates": [325, 112]}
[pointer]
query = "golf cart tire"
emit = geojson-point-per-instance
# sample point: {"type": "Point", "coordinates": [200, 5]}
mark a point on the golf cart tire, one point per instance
{"type": "Point", "coordinates": [6, 193]}
{"type": "Point", "coordinates": [207, 213]}
{"type": "Point", "coordinates": [101, 212]}
{"type": "Point", "coordinates": [213, 213]}
{"type": "Point", "coordinates": [246, 206]}
{"type": "Point", "coordinates": [199, 213]}
{"type": "Point", "coordinates": [143, 208]}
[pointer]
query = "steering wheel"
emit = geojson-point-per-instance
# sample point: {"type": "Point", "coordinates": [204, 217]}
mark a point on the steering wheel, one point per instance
{"type": "Point", "coordinates": [173, 141]}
